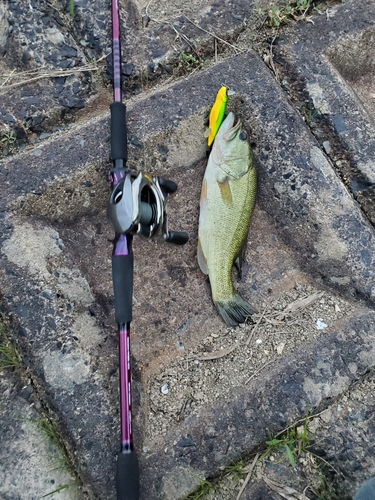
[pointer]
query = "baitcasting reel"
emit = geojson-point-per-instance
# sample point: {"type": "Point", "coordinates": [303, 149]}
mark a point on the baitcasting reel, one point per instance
{"type": "Point", "coordinates": [138, 206]}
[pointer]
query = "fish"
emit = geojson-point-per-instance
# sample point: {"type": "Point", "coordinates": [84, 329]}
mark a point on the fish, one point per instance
{"type": "Point", "coordinates": [216, 115]}
{"type": "Point", "coordinates": [226, 205]}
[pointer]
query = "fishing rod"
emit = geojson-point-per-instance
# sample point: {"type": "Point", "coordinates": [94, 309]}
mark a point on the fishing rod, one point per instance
{"type": "Point", "coordinates": [137, 205]}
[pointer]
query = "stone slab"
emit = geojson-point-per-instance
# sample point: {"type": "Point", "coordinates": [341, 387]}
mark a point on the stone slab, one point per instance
{"type": "Point", "coordinates": [30, 463]}
{"type": "Point", "coordinates": [42, 34]}
{"type": "Point", "coordinates": [342, 436]}
{"type": "Point", "coordinates": [335, 72]}
{"type": "Point", "coordinates": [37, 37]}
{"type": "Point", "coordinates": [57, 298]}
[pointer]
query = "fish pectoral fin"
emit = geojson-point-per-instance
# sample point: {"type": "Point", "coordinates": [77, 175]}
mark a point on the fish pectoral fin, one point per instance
{"type": "Point", "coordinates": [203, 197]}
{"type": "Point", "coordinates": [225, 191]}
{"type": "Point", "coordinates": [240, 258]}
{"type": "Point", "coordinates": [207, 132]}
{"type": "Point", "coordinates": [202, 261]}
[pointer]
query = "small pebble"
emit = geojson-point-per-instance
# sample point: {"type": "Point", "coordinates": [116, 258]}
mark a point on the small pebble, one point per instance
{"type": "Point", "coordinates": [327, 147]}
{"type": "Point", "coordinates": [320, 325]}
{"type": "Point", "coordinates": [164, 389]}
{"type": "Point", "coordinates": [258, 341]}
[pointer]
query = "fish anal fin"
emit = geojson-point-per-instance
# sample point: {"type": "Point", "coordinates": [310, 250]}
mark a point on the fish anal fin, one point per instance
{"type": "Point", "coordinates": [225, 191]}
{"type": "Point", "coordinates": [202, 261]}
{"type": "Point", "coordinates": [240, 258]}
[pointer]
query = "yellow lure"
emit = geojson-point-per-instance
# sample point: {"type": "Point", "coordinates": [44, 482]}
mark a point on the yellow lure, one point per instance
{"type": "Point", "coordinates": [217, 114]}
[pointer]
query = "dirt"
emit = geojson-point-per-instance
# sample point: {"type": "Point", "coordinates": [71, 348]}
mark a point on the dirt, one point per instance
{"type": "Point", "coordinates": [233, 357]}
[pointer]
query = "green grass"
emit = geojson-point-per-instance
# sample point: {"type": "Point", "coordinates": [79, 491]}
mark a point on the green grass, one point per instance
{"type": "Point", "coordinates": [189, 61]}
{"type": "Point", "coordinates": [8, 142]}
{"type": "Point", "coordinates": [236, 470]}
{"type": "Point", "coordinates": [48, 428]}
{"type": "Point", "coordinates": [295, 10]}
{"type": "Point", "coordinates": [326, 491]}
{"type": "Point", "coordinates": [9, 357]}
{"type": "Point", "coordinates": [71, 7]}
{"type": "Point", "coordinates": [57, 490]}
{"type": "Point", "coordinates": [205, 487]}
{"type": "Point", "coordinates": [294, 441]}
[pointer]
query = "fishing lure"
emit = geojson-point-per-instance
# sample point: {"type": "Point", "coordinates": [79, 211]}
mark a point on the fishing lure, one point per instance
{"type": "Point", "coordinates": [217, 114]}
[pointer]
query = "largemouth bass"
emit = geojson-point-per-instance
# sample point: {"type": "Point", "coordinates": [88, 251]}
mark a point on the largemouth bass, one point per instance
{"type": "Point", "coordinates": [226, 205]}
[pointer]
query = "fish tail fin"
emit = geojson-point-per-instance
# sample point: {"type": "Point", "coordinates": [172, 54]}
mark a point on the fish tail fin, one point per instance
{"type": "Point", "coordinates": [235, 310]}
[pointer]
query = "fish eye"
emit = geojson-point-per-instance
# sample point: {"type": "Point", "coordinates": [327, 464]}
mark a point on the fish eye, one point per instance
{"type": "Point", "coordinates": [243, 135]}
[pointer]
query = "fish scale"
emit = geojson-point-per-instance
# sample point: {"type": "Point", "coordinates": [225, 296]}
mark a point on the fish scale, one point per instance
{"type": "Point", "coordinates": [226, 205]}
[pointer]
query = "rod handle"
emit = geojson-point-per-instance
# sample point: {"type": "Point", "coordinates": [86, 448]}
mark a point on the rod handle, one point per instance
{"type": "Point", "coordinates": [119, 149]}
{"type": "Point", "coordinates": [122, 276]}
{"type": "Point", "coordinates": [127, 476]}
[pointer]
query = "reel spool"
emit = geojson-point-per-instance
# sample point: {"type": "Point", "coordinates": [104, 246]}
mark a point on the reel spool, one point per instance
{"type": "Point", "coordinates": [138, 206]}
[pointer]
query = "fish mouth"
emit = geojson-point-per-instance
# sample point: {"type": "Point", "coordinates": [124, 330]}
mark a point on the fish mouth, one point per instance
{"type": "Point", "coordinates": [231, 129]}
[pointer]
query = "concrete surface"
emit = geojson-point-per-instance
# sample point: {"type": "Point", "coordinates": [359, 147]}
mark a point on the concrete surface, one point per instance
{"type": "Point", "coordinates": [31, 464]}
{"type": "Point", "coordinates": [309, 227]}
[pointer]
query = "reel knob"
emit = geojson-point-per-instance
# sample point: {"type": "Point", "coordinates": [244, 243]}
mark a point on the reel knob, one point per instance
{"type": "Point", "coordinates": [177, 238]}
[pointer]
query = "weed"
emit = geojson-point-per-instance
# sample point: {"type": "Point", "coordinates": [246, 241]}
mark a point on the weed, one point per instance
{"type": "Point", "coordinates": [49, 429]}
{"type": "Point", "coordinates": [236, 470]}
{"type": "Point", "coordinates": [295, 441]}
{"type": "Point", "coordinates": [9, 357]}
{"type": "Point", "coordinates": [57, 490]}
{"type": "Point", "coordinates": [310, 113]}
{"type": "Point", "coordinates": [296, 9]}
{"type": "Point", "coordinates": [205, 487]}
{"type": "Point", "coordinates": [326, 491]}
{"type": "Point", "coordinates": [190, 61]}
{"type": "Point", "coordinates": [71, 7]}
{"type": "Point", "coordinates": [8, 142]}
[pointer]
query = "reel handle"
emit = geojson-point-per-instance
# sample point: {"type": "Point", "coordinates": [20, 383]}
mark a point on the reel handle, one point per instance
{"type": "Point", "coordinates": [177, 238]}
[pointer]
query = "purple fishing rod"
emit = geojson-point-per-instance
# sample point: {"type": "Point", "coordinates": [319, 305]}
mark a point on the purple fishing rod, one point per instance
{"type": "Point", "coordinates": [127, 473]}
{"type": "Point", "coordinates": [137, 206]}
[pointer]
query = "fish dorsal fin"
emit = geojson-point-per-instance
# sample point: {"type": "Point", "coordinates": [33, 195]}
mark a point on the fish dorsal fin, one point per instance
{"type": "Point", "coordinates": [202, 261]}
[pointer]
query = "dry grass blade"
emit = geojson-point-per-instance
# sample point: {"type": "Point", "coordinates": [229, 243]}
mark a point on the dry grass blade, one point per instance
{"type": "Point", "coordinates": [255, 327]}
{"type": "Point", "coordinates": [248, 477]}
{"type": "Point", "coordinates": [303, 303]}
{"type": "Point", "coordinates": [311, 417]}
{"type": "Point", "coordinates": [215, 36]}
{"type": "Point", "coordinates": [260, 369]}
{"type": "Point", "coordinates": [25, 77]}
{"type": "Point", "coordinates": [285, 491]}
{"type": "Point", "coordinates": [218, 354]}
